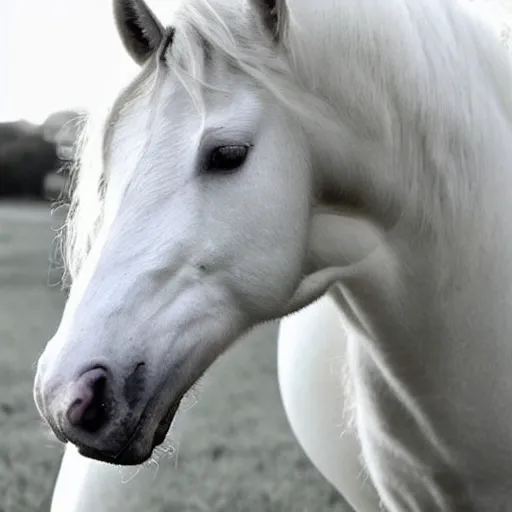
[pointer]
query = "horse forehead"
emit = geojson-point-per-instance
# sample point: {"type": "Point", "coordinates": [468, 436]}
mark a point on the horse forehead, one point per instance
{"type": "Point", "coordinates": [148, 107]}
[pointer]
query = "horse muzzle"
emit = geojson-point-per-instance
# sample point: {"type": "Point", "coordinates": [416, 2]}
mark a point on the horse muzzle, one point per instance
{"type": "Point", "coordinates": [106, 414]}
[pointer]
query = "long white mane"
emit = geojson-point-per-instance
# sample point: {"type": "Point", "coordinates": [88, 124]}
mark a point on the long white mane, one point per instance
{"type": "Point", "coordinates": [222, 25]}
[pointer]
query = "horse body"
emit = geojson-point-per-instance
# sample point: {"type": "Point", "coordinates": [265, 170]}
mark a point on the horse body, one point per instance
{"type": "Point", "coordinates": [410, 123]}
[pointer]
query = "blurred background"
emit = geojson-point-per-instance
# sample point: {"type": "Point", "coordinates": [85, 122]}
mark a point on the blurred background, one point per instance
{"type": "Point", "coordinates": [61, 60]}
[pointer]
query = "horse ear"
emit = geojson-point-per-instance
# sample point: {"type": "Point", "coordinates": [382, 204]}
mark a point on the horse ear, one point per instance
{"type": "Point", "coordinates": [272, 13]}
{"type": "Point", "coordinates": [139, 29]}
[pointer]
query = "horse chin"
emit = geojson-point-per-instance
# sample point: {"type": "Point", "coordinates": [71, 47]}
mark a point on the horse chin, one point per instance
{"type": "Point", "coordinates": [132, 455]}
{"type": "Point", "coordinates": [165, 425]}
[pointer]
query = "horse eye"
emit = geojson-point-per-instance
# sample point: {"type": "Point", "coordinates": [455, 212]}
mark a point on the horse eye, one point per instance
{"type": "Point", "coordinates": [227, 158]}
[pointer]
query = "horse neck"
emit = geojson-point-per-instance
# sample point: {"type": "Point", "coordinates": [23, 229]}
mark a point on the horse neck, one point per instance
{"type": "Point", "coordinates": [430, 162]}
{"type": "Point", "coordinates": [429, 344]}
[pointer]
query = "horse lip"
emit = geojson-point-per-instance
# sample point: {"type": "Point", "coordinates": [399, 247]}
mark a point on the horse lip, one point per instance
{"type": "Point", "coordinates": [127, 456]}
{"type": "Point", "coordinates": [55, 427]}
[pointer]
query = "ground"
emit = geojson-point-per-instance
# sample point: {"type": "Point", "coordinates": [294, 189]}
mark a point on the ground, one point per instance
{"type": "Point", "coordinates": [237, 452]}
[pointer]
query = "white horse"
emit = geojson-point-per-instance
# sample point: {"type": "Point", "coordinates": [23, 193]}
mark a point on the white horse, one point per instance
{"type": "Point", "coordinates": [272, 151]}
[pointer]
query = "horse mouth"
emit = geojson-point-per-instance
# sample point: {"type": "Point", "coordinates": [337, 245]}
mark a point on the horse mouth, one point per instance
{"type": "Point", "coordinates": [136, 450]}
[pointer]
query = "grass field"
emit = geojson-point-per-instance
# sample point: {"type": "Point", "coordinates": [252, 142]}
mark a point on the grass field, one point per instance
{"type": "Point", "coordinates": [236, 453]}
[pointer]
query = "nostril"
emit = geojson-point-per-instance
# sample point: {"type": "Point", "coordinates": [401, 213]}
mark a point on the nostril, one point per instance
{"type": "Point", "coordinates": [134, 385]}
{"type": "Point", "coordinates": [88, 406]}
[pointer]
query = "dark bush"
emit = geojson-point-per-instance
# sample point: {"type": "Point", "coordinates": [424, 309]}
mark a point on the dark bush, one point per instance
{"type": "Point", "coordinates": [25, 161]}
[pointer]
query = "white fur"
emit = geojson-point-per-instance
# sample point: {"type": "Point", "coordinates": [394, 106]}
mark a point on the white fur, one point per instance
{"type": "Point", "coordinates": [403, 105]}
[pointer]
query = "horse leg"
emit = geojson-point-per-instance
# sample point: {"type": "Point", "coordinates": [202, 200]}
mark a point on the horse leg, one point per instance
{"type": "Point", "coordinates": [84, 485]}
{"type": "Point", "coordinates": [311, 350]}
